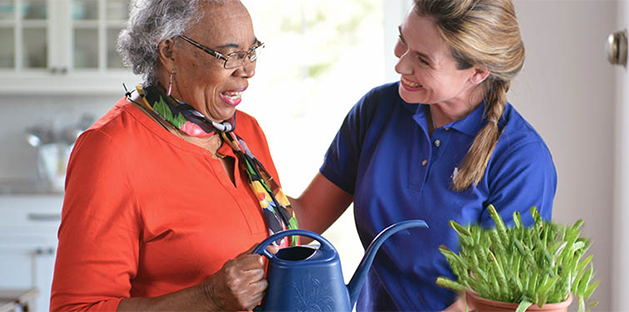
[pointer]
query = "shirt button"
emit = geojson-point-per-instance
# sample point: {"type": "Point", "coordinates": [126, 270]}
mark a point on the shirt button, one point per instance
{"type": "Point", "coordinates": [447, 129]}
{"type": "Point", "coordinates": [437, 143]}
{"type": "Point", "coordinates": [424, 162]}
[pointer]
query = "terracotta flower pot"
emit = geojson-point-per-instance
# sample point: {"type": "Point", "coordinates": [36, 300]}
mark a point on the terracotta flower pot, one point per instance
{"type": "Point", "coordinates": [486, 305]}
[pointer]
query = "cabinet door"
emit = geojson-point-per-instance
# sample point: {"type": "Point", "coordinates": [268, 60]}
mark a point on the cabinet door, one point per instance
{"type": "Point", "coordinates": [33, 25]}
{"type": "Point", "coordinates": [94, 30]}
{"type": "Point", "coordinates": [25, 267]}
{"type": "Point", "coordinates": [24, 35]}
{"type": "Point", "coordinates": [28, 242]}
{"type": "Point", "coordinates": [62, 46]}
{"type": "Point", "coordinates": [7, 34]}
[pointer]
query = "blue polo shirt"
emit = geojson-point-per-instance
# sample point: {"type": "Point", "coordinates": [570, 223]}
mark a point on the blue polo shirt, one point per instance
{"type": "Point", "coordinates": [383, 155]}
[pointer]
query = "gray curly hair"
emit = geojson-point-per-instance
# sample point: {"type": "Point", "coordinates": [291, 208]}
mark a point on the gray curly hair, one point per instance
{"type": "Point", "coordinates": [150, 22]}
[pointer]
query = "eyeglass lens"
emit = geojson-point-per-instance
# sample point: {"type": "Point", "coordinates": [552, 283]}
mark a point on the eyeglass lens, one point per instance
{"type": "Point", "coordinates": [236, 59]}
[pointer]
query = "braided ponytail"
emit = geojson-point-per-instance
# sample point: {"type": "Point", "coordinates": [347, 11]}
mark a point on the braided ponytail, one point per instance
{"type": "Point", "coordinates": [475, 162]}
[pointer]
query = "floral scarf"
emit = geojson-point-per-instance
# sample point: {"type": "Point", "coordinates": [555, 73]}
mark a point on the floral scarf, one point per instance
{"type": "Point", "coordinates": [277, 210]}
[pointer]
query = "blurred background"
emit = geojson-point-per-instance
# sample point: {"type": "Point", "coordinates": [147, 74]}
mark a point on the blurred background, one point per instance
{"type": "Point", "coordinates": [59, 72]}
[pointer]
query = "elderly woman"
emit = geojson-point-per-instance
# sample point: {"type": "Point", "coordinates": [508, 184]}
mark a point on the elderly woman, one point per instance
{"type": "Point", "coordinates": [164, 199]}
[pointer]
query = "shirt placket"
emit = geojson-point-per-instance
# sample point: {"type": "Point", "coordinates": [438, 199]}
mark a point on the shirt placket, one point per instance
{"type": "Point", "coordinates": [421, 154]}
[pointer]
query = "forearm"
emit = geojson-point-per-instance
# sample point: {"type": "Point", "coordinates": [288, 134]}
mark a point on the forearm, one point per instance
{"type": "Point", "coordinates": [195, 298]}
{"type": "Point", "coordinates": [320, 204]}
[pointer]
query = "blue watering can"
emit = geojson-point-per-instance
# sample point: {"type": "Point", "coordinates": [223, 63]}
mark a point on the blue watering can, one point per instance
{"type": "Point", "coordinates": [305, 278]}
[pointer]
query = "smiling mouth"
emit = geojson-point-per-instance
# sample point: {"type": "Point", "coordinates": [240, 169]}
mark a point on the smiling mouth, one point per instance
{"type": "Point", "coordinates": [411, 84]}
{"type": "Point", "coordinates": [232, 98]}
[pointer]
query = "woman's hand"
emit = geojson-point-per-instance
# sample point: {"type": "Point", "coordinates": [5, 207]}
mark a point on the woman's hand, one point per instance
{"type": "Point", "coordinates": [460, 305]}
{"type": "Point", "coordinates": [239, 285]}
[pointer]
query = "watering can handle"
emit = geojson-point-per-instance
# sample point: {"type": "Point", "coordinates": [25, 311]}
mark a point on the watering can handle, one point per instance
{"type": "Point", "coordinates": [261, 249]}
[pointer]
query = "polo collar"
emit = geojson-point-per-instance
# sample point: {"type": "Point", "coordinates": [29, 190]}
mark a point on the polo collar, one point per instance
{"type": "Point", "coordinates": [470, 124]}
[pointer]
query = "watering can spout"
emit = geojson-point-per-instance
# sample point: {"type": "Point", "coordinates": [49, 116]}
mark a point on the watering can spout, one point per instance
{"type": "Point", "coordinates": [355, 284]}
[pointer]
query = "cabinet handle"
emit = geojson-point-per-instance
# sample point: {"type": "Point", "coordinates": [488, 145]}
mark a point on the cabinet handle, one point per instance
{"type": "Point", "coordinates": [44, 216]}
{"type": "Point", "coordinates": [64, 70]}
{"type": "Point", "coordinates": [45, 251]}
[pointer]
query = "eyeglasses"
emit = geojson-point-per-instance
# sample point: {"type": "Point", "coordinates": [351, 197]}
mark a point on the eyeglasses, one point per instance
{"type": "Point", "coordinates": [232, 60]}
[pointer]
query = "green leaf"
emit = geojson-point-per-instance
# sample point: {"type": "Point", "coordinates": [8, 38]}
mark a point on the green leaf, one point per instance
{"type": "Point", "coordinates": [590, 290]}
{"type": "Point", "coordinates": [523, 306]}
{"type": "Point", "coordinates": [584, 263]}
{"type": "Point", "coordinates": [460, 229]}
{"type": "Point", "coordinates": [581, 305]}
{"type": "Point", "coordinates": [537, 217]}
{"type": "Point", "coordinates": [517, 220]}
{"type": "Point", "coordinates": [450, 284]}
{"type": "Point", "coordinates": [559, 249]}
{"type": "Point", "coordinates": [577, 280]}
{"type": "Point", "coordinates": [500, 225]}
{"type": "Point", "coordinates": [577, 245]}
{"type": "Point", "coordinates": [577, 225]}
{"type": "Point", "coordinates": [500, 275]}
{"type": "Point", "coordinates": [585, 281]}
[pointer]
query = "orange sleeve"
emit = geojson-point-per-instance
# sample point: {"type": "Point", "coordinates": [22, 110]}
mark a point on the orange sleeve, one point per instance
{"type": "Point", "coordinates": [100, 231]}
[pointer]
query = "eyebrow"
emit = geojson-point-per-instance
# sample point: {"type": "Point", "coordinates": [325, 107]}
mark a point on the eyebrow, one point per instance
{"type": "Point", "coordinates": [235, 46]}
{"type": "Point", "coordinates": [424, 55]}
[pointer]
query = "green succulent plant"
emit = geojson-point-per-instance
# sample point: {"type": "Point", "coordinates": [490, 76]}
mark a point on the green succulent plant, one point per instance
{"type": "Point", "coordinates": [526, 265]}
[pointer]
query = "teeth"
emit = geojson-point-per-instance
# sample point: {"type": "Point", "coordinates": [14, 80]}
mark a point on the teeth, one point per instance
{"type": "Point", "coordinates": [410, 83]}
{"type": "Point", "coordinates": [232, 95]}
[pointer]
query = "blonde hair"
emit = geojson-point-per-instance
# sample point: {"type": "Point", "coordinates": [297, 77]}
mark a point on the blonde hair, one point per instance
{"type": "Point", "coordinates": [482, 33]}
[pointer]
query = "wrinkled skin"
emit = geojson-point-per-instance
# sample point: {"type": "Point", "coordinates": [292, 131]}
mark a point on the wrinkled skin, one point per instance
{"type": "Point", "coordinates": [239, 284]}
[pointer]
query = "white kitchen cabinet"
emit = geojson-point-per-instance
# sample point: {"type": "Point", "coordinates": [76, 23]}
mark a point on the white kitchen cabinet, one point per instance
{"type": "Point", "coordinates": [62, 46]}
{"type": "Point", "coordinates": [28, 243]}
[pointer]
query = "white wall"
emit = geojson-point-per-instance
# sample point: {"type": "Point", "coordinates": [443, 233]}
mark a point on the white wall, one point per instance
{"type": "Point", "coordinates": [566, 91]}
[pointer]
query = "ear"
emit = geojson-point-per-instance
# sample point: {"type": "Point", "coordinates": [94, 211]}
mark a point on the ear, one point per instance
{"type": "Point", "coordinates": [479, 75]}
{"type": "Point", "coordinates": [166, 50]}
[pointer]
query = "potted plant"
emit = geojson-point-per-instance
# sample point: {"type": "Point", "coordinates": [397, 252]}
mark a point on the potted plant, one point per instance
{"type": "Point", "coordinates": [519, 268]}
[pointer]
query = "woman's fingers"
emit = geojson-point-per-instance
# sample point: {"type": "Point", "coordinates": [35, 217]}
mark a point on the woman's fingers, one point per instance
{"type": "Point", "coordinates": [272, 249]}
{"type": "Point", "coordinates": [240, 283]}
{"type": "Point", "coordinates": [259, 287]}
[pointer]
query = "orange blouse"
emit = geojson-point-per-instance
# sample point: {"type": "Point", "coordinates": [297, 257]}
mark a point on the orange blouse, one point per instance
{"type": "Point", "coordinates": [146, 213]}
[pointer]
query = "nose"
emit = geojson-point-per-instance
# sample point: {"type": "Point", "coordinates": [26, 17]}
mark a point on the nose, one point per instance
{"type": "Point", "coordinates": [404, 66]}
{"type": "Point", "coordinates": [246, 70]}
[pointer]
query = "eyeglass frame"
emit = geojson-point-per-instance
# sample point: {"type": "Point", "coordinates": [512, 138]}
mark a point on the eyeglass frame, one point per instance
{"type": "Point", "coordinates": [252, 54]}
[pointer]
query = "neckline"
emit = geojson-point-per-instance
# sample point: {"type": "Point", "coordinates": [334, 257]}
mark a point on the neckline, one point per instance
{"type": "Point", "coordinates": [165, 134]}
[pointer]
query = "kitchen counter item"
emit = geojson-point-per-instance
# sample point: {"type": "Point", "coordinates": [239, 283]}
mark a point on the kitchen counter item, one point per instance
{"type": "Point", "coordinates": [52, 162]}
{"type": "Point", "coordinates": [21, 297]}
{"type": "Point", "coordinates": [304, 278]}
{"type": "Point", "coordinates": [54, 145]}
{"type": "Point", "coordinates": [8, 306]}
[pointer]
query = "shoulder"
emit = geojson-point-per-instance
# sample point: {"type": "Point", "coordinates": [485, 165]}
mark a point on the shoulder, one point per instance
{"type": "Point", "coordinates": [377, 105]}
{"type": "Point", "coordinates": [519, 141]}
{"type": "Point", "coordinates": [113, 127]}
{"type": "Point", "coordinates": [120, 121]}
{"type": "Point", "coordinates": [518, 131]}
{"type": "Point", "coordinates": [248, 127]}
{"type": "Point", "coordinates": [117, 133]}
{"type": "Point", "coordinates": [379, 96]}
